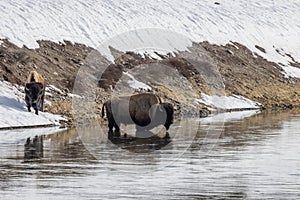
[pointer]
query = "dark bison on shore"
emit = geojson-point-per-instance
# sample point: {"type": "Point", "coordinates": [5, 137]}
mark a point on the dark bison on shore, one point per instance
{"type": "Point", "coordinates": [144, 110]}
{"type": "Point", "coordinates": [35, 92]}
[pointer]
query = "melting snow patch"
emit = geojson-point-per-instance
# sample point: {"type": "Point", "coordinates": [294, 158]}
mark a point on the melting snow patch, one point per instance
{"type": "Point", "coordinates": [48, 94]}
{"type": "Point", "coordinates": [74, 95]}
{"type": "Point", "coordinates": [232, 43]}
{"type": "Point", "coordinates": [227, 102]}
{"type": "Point", "coordinates": [52, 87]}
{"type": "Point", "coordinates": [46, 102]}
{"type": "Point", "coordinates": [290, 71]}
{"type": "Point", "coordinates": [13, 110]}
{"type": "Point", "coordinates": [135, 84]}
{"type": "Point", "coordinates": [228, 116]}
{"type": "Point", "coordinates": [149, 54]}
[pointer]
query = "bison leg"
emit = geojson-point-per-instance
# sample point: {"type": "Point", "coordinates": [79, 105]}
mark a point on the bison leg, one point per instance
{"type": "Point", "coordinates": [111, 123]}
{"type": "Point", "coordinates": [110, 135]}
{"type": "Point", "coordinates": [36, 111]}
{"type": "Point", "coordinates": [167, 136]}
{"type": "Point", "coordinates": [110, 126]}
{"type": "Point", "coordinates": [28, 108]}
{"type": "Point", "coordinates": [117, 130]}
{"type": "Point", "coordinates": [28, 104]}
{"type": "Point", "coordinates": [167, 126]}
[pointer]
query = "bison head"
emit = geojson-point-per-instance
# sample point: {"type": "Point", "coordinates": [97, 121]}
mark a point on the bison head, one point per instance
{"type": "Point", "coordinates": [162, 114]}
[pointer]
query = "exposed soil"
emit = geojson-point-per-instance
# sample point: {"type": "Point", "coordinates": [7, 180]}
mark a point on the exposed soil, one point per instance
{"type": "Point", "coordinates": [242, 72]}
{"type": "Point", "coordinates": [254, 77]}
{"type": "Point", "coordinates": [57, 62]}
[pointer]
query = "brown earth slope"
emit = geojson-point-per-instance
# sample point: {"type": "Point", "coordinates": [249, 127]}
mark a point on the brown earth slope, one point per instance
{"type": "Point", "coordinates": [254, 77]}
{"type": "Point", "coordinates": [242, 72]}
{"type": "Point", "coordinates": [58, 63]}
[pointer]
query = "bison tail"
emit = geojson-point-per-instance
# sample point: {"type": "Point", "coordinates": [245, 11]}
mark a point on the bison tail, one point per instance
{"type": "Point", "coordinates": [102, 113]}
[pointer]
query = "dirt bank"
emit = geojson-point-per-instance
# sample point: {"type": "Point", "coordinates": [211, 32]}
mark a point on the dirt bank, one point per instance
{"type": "Point", "coordinates": [242, 72]}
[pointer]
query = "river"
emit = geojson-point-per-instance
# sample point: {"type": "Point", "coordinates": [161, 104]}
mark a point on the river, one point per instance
{"type": "Point", "coordinates": [256, 157]}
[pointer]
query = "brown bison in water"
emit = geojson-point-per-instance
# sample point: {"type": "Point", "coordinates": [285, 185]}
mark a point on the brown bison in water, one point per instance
{"type": "Point", "coordinates": [35, 92]}
{"type": "Point", "coordinates": [144, 110]}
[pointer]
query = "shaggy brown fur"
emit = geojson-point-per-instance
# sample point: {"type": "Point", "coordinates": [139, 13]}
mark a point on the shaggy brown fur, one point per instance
{"type": "Point", "coordinates": [145, 110]}
{"type": "Point", "coordinates": [35, 77]}
{"type": "Point", "coordinates": [35, 92]}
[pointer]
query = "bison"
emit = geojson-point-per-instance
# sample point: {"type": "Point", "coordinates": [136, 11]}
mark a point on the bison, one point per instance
{"type": "Point", "coordinates": [35, 92]}
{"type": "Point", "coordinates": [144, 110]}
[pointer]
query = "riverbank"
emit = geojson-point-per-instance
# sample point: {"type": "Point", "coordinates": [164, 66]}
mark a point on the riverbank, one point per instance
{"type": "Point", "coordinates": [244, 81]}
{"type": "Point", "coordinates": [14, 114]}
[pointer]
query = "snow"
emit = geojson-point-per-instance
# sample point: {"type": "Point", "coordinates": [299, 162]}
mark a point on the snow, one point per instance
{"type": "Point", "coordinates": [46, 102]}
{"type": "Point", "coordinates": [163, 26]}
{"type": "Point", "coordinates": [228, 116]}
{"type": "Point", "coordinates": [74, 95]}
{"type": "Point", "coordinates": [53, 88]}
{"type": "Point", "coordinates": [135, 84]}
{"type": "Point", "coordinates": [151, 53]}
{"type": "Point", "coordinates": [291, 71]}
{"type": "Point", "coordinates": [269, 24]}
{"type": "Point", "coordinates": [227, 102]}
{"type": "Point", "coordinates": [20, 135]}
{"type": "Point", "coordinates": [48, 94]}
{"type": "Point", "coordinates": [13, 110]}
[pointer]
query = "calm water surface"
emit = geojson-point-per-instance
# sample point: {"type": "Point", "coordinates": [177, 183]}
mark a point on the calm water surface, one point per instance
{"type": "Point", "coordinates": [254, 158]}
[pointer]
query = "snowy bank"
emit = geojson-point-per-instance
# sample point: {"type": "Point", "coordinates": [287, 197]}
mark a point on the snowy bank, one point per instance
{"type": "Point", "coordinates": [14, 113]}
{"type": "Point", "coordinates": [273, 25]}
{"type": "Point", "coordinates": [227, 102]}
{"type": "Point", "coordinates": [228, 116]}
{"type": "Point", "coordinates": [290, 71]}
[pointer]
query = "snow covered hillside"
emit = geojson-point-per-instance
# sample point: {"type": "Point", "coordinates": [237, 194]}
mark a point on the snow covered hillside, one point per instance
{"type": "Point", "coordinates": [268, 28]}
{"type": "Point", "coordinates": [14, 114]}
{"type": "Point", "coordinates": [273, 25]}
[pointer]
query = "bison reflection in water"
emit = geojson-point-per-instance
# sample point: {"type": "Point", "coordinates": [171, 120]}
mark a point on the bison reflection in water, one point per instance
{"type": "Point", "coordinates": [144, 110]}
{"type": "Point", "coordinates": [33, 149]}
{"type": "Point", "coordinates": [141, 144]}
